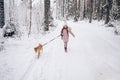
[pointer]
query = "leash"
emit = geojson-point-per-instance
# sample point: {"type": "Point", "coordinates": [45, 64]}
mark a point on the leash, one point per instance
{"type": "Point", "coordinates": [51, 40]}
{"type": "Point", "coordinates": [33, 61]}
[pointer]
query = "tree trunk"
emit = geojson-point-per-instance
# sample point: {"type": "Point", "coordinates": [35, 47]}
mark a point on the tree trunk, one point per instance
{"type": "Point", "coordinates": [78, 9]}
{"type": "Point", "coordinates": [91, 11]}
{"type": "Point", "coordinates": [11, 10]}
{"type": "Point", "coordinates": [2, 19]}
{"type": "Point", "coordinates": [46, 14]}
{"type": "Point", "coordinates": [68, 9]}
{"type": "Point", "coordinates": [63, 13]}
{"type": "Point", "coordinates": [30, 17]}
{"type": "Point", "coordinates": [118, 2]}
{"type": "Point", "coordinates": [84, 9]}
{"type": "Point", "coordinates": [107, 13]}
{"type": "Point", "coordinates": [75, 7]}
{"type": "Point", "coordinates": [98, 10]}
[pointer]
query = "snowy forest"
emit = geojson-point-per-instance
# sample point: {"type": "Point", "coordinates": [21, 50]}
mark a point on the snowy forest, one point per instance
{"type": "Point", "coordinates": [39, 15]}
{"type": "Point", "coordinates": [93, 51]}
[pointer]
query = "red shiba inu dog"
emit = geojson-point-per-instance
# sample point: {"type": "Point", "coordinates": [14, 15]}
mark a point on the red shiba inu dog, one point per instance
{"type": "Point", "coordinates": [38, 49]}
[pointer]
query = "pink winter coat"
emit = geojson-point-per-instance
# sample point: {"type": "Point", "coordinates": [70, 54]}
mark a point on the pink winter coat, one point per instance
{"type": "Point", "coordinates": [65, 34]}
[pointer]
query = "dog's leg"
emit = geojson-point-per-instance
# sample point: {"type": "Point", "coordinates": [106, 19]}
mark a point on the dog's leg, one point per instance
{"type": "Point", "coordinates": [38, 54]}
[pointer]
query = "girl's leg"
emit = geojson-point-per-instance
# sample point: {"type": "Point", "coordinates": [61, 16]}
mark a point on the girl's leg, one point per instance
{"type": "Point", "coordinates": [65, 46]}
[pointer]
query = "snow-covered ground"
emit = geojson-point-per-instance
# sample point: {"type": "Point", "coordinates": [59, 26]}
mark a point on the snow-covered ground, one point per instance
{"type": "Point", "coordinates": [94, 54]}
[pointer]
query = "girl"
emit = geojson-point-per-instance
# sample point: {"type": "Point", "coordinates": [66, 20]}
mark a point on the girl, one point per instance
{"type": "Point", "coordinates": [65, 35]}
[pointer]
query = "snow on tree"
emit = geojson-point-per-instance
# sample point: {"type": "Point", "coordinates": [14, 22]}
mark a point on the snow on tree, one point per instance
{"type": "Point", "coordinates": [20, 13]}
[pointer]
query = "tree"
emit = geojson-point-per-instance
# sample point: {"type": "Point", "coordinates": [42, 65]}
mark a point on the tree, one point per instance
{"type": "Point", "coordinates": [78, 8]}
{"type": "Point", "coordinates": [30, 3]}
{"type": "Point", "coordinates": [75, 8]}
{"type": "Point", "coordinates": [98, 10]}
{"type": "Point", "coordinates": [108, 8]}
{"type": "Point", "coordinates": [63, 9]}
{"type": "Point", "coordinates": [90, 10]}
{"type": "Point", "coordinates": [84, 9]}
{"type": "Point", "coordinates": [2, 22]}
{"type": "Point", "coordinates": [46, 14]}
{"type": "Point", "coordinates": [118, 2]}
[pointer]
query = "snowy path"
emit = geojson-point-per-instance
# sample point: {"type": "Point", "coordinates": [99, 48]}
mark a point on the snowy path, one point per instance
{"type": "Point", "coordinates": [94, 54]}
